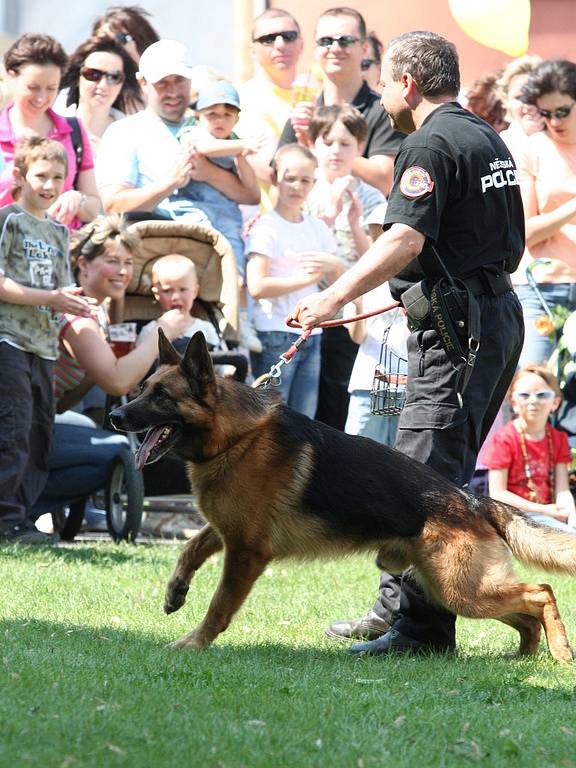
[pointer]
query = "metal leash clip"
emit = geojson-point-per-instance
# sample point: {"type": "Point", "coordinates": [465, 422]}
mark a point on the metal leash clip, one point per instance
{"type": "Point", "coordinates": [273, 377]}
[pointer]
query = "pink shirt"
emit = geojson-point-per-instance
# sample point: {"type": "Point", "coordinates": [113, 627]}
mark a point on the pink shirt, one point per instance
{"type": "Point", "coordinates": [551, 168]}
{"type": "Point", "coordinates": [61, 132]}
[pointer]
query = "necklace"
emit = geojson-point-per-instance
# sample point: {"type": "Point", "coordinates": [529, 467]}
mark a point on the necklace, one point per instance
{"type": "Point", "coordinates": [534, 495]}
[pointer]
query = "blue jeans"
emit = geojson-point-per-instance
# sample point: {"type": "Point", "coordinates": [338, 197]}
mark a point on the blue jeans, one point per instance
{"type": "Point", "coordinates": [538, 348]}
{"type": "Point", "coordinates": [300, 377]}
{"type": "Point", "coordinates": [361, 421]}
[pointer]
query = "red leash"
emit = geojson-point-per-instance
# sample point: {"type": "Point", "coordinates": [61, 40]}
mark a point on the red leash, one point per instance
{"type": "Point", "coordinates": [342, 321]}
{"type": "Point", "coordinates": [273, 375]}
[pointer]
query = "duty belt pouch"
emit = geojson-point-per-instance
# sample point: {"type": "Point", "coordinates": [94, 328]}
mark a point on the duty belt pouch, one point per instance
{"type": "Point", "coordinates": [416, 302]}
{"type": "Point", "coordinates": [455, 316]}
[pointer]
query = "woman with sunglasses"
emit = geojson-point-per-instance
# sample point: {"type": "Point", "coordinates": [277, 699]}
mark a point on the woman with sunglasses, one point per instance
{"type": "Point", "coordinates": [101, 85]}
{"type": "Point", "coordinates": [34, 66]}
{"type": "Point", "coordinates": [548, 182]}
{"type": "Point", "coordinates": [528, 458]}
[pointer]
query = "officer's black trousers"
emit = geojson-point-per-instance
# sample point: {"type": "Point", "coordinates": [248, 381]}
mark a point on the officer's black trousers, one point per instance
{"type": "Point", "coordinates": [435, 430]}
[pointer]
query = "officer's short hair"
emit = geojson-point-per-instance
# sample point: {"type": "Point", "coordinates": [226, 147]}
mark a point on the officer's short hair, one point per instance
{"type": "Point", "coordinates": [430, 59]}
{"type": "Point", "coordinates": [550, 76]}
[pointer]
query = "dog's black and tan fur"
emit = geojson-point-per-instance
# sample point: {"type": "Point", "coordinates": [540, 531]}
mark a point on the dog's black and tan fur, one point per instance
{"type": "Point", "coordinates": [272, 483]}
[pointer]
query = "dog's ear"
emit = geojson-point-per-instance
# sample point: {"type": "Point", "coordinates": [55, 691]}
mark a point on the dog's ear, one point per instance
{"type": "Point", "coordinates": [167, 355]}
{"type": "Point", "coordinates": [197, 363]}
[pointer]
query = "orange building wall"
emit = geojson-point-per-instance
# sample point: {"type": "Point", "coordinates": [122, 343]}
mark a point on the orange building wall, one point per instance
{"type": "Point", "coordinates": [552, 28]}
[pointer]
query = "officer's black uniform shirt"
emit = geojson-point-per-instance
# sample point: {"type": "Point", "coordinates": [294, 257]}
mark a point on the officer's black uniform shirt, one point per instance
{"type": "Point", "coordinates": [382, 139]}
{"type": "Point", "coordinates": [456, 183]}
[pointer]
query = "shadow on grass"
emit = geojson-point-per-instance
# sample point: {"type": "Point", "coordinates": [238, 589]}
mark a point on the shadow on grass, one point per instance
{"type": "Point", "coordinates": [76, 552]}
{"type": "Point", "coordinates": [138, 655]}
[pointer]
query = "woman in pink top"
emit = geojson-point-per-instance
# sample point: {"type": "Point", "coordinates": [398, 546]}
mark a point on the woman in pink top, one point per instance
{"type": "Point", "coordinates": [34, 65]}
{"type": "Point", "coordinates": [548, 182]}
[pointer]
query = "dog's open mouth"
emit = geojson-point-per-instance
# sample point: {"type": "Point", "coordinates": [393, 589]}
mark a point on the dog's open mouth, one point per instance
{"type": "Point", "coordinates": [157, 442]}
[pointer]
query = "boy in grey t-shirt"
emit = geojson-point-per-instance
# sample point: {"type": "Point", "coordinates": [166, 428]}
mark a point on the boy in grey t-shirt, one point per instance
{"type": "Point", "coordinates": [34, 268]}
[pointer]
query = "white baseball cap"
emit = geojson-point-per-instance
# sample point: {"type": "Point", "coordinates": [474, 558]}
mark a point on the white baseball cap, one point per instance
{"type": "Point", "coordinates": [164, 58]}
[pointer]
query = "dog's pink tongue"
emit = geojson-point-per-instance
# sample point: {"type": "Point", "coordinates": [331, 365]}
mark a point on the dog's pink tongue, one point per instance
{"type": "Point", "coordinates": [152, 437]}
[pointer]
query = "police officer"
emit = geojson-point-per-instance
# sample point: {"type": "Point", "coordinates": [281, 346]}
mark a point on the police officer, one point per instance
{"type": "Point", "coordinates": [454, 210]}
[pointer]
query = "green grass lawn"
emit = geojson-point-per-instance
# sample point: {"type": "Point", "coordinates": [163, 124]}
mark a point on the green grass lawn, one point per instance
{"type": "Point", "coordinates": [86, 680]}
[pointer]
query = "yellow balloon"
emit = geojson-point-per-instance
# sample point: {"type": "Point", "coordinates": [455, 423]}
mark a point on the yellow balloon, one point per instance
{"type": "Point", "coordinates": [499, 24]}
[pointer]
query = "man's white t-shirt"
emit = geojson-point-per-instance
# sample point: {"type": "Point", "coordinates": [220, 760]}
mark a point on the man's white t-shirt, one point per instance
{"type": "Point", "coordinates": [281, 241]}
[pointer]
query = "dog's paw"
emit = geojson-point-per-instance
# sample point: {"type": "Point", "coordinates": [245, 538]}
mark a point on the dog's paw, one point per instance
{"type": "Point", "coordinates": [192, 640]}
{"type": "Point", "coordinates": [175, 597]}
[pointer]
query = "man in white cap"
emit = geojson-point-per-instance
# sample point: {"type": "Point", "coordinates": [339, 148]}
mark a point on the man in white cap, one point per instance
{"type": "Point", "coordinates": [141, 164]}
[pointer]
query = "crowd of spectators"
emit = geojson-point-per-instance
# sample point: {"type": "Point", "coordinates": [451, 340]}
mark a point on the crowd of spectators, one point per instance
{"type": "Point", "coordinates": [292, 168]}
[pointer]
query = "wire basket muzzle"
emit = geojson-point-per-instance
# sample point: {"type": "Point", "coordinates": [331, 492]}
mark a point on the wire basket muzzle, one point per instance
{"type": "Point", "coordinates": [388, 394]}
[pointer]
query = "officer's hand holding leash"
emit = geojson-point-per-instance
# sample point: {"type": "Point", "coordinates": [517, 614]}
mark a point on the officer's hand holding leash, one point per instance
{"type": "Point", "coordinates": [315, 309]}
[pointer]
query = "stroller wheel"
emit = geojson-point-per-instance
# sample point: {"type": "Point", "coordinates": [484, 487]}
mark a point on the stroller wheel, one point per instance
{"type": "Point", "coordinates": [124, 498]}
{"type": "Point", "coordinates": [68, 520]}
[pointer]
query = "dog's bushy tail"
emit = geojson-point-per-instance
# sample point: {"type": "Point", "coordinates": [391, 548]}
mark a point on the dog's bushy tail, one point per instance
{"type": "Point", "coordinates": [531, 542]}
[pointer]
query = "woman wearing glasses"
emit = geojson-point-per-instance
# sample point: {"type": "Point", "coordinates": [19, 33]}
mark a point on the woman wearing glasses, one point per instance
{"type": "Point", "coordinates": [101, 86]}
{"type": "Point", "coordinates": [34, 65]}
{"type": "Point", "coordinates": [548, 182]}
{"type": "Point", "coordinates": [128, 25]}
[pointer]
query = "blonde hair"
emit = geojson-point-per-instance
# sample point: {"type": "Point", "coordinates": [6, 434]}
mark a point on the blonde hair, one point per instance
{"type": "Point", "coordinates": [521, 66]}
{"type": "Point", "coordinates": [538, 370]}
{"type": "Point", "coordinates": [524, 65]}
{"type": "Point", "coordinates": [29, 151]}
{"type": "Point", "coordinates": [173, 265]}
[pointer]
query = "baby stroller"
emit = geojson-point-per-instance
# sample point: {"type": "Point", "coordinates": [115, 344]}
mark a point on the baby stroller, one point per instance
{"type": "Point", "coordinates": [217, 302]}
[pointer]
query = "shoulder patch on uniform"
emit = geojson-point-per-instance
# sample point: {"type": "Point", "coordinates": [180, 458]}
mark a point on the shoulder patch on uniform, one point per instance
{"type": "Point", "coordinates": [415, 182]}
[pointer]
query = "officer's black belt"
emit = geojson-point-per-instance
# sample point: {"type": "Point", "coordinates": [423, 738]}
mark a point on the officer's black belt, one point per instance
{"type": "Point", "coordinates": [488, 282]}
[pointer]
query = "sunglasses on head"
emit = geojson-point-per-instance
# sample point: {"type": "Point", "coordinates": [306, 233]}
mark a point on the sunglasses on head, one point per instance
{"type": "Point", "coordinates": [94, 75]}
{"type": "Point", "coordinates": [543, 394]}
{"type": "Point", "coordinates": [124, 37]}
{"type": "Point", "coordinates": [288, 37]}
{"type": "Point", "coordinates": [344, 41]}
{"type": "Point", "coordinates": [557, 114]}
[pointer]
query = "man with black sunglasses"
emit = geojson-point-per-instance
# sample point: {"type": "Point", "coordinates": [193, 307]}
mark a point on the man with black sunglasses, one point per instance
{"type": "Point", "coordinates": [341, 46]}
{"type": "Point", "coordinates": [268, 97]}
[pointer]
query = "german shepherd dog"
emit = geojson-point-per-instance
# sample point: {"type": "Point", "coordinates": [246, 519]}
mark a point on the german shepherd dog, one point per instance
{"type": "Point", "coordinates": [272, 483]}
